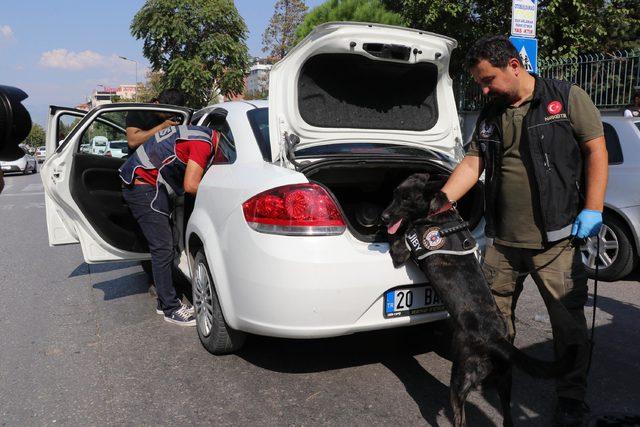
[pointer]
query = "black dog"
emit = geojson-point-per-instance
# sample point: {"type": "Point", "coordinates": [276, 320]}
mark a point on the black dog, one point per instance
{"type": "Point", "coordinates": [481, 350]}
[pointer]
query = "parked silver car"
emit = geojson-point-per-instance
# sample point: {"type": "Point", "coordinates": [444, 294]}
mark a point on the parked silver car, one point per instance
{"type": "Point", "coordinates": [25, 164]}
{"type": "Point", "coordinates": [619, 237]}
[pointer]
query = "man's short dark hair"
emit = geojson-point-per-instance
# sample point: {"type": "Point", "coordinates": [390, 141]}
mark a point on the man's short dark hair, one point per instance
{"type": "Point", "coordinates": [171, 96]}
{"type": "Point", "coordinates": [497, 50]}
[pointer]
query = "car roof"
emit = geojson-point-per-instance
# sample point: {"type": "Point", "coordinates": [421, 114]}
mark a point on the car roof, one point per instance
{"type": "Point", "coordinates": [239, 106]}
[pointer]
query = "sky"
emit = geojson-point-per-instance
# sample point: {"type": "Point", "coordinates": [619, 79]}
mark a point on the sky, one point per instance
{"type": "Point", "coordinates": [60, 51]}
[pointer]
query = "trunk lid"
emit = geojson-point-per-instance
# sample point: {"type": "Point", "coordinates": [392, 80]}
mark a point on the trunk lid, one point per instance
{"type": "Point", "coordinates": [350, 83]}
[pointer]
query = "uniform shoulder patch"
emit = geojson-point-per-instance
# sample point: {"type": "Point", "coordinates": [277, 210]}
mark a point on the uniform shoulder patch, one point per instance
{"type": "Point", "coordinates": [485, 129]}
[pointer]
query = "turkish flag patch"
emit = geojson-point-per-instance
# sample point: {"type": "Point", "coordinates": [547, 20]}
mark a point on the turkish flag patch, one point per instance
{"type": "Point", "coordinates": [554, 107]}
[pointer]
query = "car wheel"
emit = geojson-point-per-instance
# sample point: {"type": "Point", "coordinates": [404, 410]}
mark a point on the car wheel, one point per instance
{"type": "Point", "coordinates": [216, 336]}
{"type": "Point", "coordinates": [616, 257]}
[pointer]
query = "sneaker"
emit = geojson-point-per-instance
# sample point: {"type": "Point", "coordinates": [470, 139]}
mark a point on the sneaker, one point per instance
{"type": "Point", "coordinates": [183, 316]}
{"type": "Point", "coordinates": [569, 412]}
{"type": "Point", "coordinates": [188, 307]}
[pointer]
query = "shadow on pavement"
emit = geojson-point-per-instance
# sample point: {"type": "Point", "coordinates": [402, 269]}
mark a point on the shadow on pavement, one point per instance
{"type": "Point", "coordinates": [124, 286]}
{"type": "Point", "coordinates": [134, 283]}
{"type": "Point", "coordinates": [612, 380]}
{"type": "Point", "coordinates": [634, 276]}
{"type": "Point", "coordinates": [84, 268]}
{"type": "Point", "coordinates": [395, 349]}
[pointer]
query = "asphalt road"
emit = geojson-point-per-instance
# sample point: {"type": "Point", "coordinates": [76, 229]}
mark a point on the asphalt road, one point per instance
{"type": "Point", "coordinates": [82, 345]}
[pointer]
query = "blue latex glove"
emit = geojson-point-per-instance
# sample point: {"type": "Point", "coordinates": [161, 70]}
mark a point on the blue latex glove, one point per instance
{"type": "Point", "coordinates": [587, 224]}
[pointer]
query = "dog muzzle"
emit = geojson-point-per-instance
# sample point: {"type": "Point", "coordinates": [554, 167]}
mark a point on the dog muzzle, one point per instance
{"type": "Point", "coordinates": [424, 239]}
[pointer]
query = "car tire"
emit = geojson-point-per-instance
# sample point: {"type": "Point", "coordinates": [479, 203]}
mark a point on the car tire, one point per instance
{"type": "Point", "coordinates": [617, 256]}
{"type": "Point", "coordinates": [214, 333]}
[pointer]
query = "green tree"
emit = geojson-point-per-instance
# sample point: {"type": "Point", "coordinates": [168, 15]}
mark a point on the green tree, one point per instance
{"type": "Point", "coordinates": [464, 20]}
{"type": "Point", "coordinates": [570, 27]}
{"type": "Point", "coordinates": [36, 137]}
{"type": "Point", "coordinates": [564, 27]}
{"type": "Point", "coordinates": [280, 35]}
{"type": "Point", "coordinates": [199, 45]}
{"type": "Point", "coordinates": [152, 87]}
{"type": "Point", "coordinates": [348, 10]}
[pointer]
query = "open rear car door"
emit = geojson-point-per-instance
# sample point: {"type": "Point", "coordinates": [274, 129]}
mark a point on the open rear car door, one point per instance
{"type": "Point", "coordinates": [83, 190]}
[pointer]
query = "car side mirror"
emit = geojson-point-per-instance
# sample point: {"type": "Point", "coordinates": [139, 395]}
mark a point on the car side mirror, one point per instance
{"type": "Point", "coordinates": [15, 122]}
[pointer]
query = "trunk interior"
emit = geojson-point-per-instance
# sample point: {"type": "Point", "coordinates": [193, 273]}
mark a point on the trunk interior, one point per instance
{"type": "Point", "coordinates": [364, 188]}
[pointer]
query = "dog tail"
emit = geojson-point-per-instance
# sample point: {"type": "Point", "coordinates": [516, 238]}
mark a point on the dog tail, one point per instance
{"type": "Point", "coordinates": [537, 367]}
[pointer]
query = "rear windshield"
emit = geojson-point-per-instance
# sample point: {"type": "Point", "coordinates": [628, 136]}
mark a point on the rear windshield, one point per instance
{"type": "Point", "coordinates": [120, 145]}
{"type": "Point", "coordinates": [359, 148]}
{"type": "Point", "coordinates": [352, 91]}
{"type": "Point", "coordinates": [259, 120]}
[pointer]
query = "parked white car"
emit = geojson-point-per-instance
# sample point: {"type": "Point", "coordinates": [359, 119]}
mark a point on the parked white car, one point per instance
{"type": "Point", "coordinates": [98, 145]}
{"type": "Point", "coordinates": [117, 149]}
{"type": "Point", "coordinates": [41, 154]}
{"type": "Point", "coordinates": [25, 164]}
{"type": "Point", "coordinates": [284, 237]}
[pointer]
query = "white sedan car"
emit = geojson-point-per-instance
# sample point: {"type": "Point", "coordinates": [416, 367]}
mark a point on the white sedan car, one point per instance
{"type": "Point", "coordinates": [24, 165]}
{"type": "Point", "coordinates": [284, 237]}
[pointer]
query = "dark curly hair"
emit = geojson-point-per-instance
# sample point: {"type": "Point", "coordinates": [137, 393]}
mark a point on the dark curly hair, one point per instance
{"type": "Point", "coordinates": [171, 96]}
{"type": "Point", "coordinates": [498, 50]}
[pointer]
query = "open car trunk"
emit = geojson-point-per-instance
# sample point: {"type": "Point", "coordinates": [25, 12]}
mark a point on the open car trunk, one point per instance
{"type": "Point", "coordinates": [364, 188]}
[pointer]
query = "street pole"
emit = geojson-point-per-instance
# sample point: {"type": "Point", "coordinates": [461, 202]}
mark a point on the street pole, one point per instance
{"type": "Point", "coordinates": [135, 62]}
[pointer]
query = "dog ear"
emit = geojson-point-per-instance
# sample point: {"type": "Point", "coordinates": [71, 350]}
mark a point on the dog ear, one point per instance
{"type": "Point", "coordinates": [398, 250]}
{"type": "Point", "coordinates": [439, 200]}
{"type": "Point", "coordinates": [424, 177]}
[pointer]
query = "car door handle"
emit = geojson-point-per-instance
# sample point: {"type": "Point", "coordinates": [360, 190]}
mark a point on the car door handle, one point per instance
{"type": "Point", "coordinates": [57, 175]}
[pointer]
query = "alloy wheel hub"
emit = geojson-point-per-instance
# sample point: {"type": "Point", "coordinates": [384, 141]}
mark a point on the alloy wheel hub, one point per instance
{"type": "Point", "coordinates": [608, 252]}
{"type": "Point", "coordinates": [202, 300]}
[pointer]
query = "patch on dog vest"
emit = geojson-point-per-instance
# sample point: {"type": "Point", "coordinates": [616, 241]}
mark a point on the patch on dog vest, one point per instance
{"type": "Point", "coordinates": [453, 238]}
{"type": "Point", "coordinates": [432, 239]}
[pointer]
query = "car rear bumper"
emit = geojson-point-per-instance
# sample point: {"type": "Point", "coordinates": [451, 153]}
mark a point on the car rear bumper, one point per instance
{"type": "Point", "coordinates": [309, 287]}
{"type": "Point", "coordinates": [12, 168]}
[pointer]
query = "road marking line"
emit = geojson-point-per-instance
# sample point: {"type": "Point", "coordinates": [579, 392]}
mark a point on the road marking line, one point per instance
{"type": "Point", "coordinates": [21, 194]}
{"type": "Point", "coordinates": [33, 205]}
{"type": "Point", "coordinates": [32, 187]}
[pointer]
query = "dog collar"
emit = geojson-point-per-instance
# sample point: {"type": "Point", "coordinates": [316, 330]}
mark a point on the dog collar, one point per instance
{"type": "Point", "coordinates": [424, 239]}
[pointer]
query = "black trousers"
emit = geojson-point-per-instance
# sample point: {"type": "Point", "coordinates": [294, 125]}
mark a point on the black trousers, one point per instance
{"type": "Point", "coordinates": [156, 228]}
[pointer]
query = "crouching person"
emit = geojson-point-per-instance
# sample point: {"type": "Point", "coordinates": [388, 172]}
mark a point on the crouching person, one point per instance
{"type": "Point", "coordinates": [167, 165]}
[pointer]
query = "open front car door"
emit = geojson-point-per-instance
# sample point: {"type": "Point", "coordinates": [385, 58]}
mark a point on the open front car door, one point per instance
{"type": "Point", "coordinates": [82, 187]}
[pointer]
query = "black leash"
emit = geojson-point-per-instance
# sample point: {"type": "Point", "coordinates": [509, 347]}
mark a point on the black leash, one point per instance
{"type": "Point", "coordinates": [595, 298]}
{"type": "Point", "coordinates": [548, 263]}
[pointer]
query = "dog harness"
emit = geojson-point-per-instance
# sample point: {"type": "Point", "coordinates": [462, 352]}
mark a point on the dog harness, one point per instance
{"type": "Point", "coordinates": [424, 238]}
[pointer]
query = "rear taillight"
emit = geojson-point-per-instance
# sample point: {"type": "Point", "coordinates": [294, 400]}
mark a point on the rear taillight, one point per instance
{"type": "Point", "coordinates": [298, 209]}
{"type": "Point", "coordinates": [108, 154]}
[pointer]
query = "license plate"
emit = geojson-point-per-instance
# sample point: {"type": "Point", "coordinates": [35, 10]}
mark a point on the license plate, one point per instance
{"type": "Point", "coordinates": [6, 168]}
{"type": "Point", "coordinates": [411, 300]}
